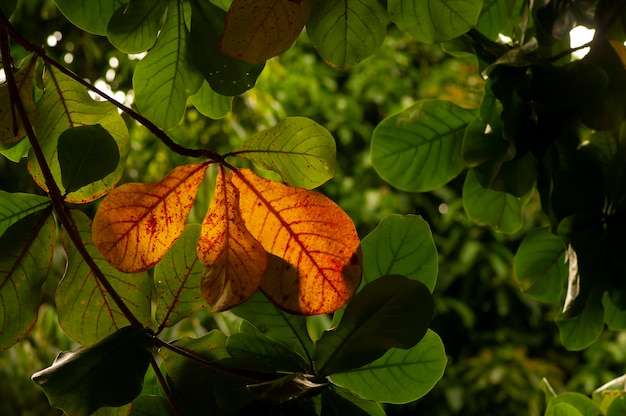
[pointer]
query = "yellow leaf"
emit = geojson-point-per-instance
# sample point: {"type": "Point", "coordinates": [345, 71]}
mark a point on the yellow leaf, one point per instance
{"type": "Point", "coordinates": [256, 30]}
{"type": "Point", "coordinates": [316, 262]}
{"type": "Point", "coordinates": [234, 260]}
{"type": "Point", "coordinates": [137, 223]}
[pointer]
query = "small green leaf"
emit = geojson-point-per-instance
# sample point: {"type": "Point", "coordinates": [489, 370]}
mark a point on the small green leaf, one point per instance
{"type": "Point", "coordinates": [420, 148]}
{"type": "Point", "coordinates": [432, 21]}
{"type": "Point", "coordinates": [339, 402]}
{"type": "Point", "coordinates": [572, 404]}
{"type": "Point", "coordinates": [15, 152]}
{"type": "Point", "coordinates": [86, 154]}
{"type": "Point", "coordinates": [15, 206]}
{"type": "Point", "coordinates": [540, 267]}
{"type": "Point", "coordinates": [109, 373]}
{"type": "Point", "coordinates": [134, 27]}
{"type": "Point", "coordinates": [211, 104]}
{"type": "Point", "coordinates": [390, 312]}
{"type": "Point", "coordinates": [617, 407]}
{"type": "Point", "coordinates": [582, 330]}
{"type": "Point", "coordinates": [563, 409]}
{"type": "Point", "coordinates": [297, 148]}
{"type": "Point", "coordinates": [399, 376]}
{"type": "Point", "coordinates": [93, 19]}
{"type": "Point", "coordinates": [347, 31]}
{"type": "Point", "coordinates": [401, 245]}
{"type": "Point", "coordinates": [500, 210]}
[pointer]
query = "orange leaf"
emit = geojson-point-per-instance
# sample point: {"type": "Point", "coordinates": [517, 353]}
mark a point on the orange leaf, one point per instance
{"type": "Point", "coordinates": [234, 260]}
{"type": "Point", "coordinates": [137, 223]}
{"type": "Point", "coordinates": [316, 262]}
{"type": "Point", "coordinates": [256, 30]}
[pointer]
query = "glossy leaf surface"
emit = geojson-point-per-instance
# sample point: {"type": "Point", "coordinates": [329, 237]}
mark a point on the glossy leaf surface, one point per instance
{"type": "Point", "coordinates": [11, 127]}
{"type": "Point", "coordinates": [134, 27]}
{"type": "Point", "coordinates": [92, 19]}
{"type": "Point", "coordinates": [234, 261]}
{"type": "Point", "coordinates": [316, 262]}
{"type": "Point", "coordinates": [300, 150]}
{"type": "Point", "coordinates": [258, 30]}
{"type": "Point", "coordinates": [15, 206]}
{"type": "Point", "coordinates": [137, 223]}
{"type": "Point", "coordinates": [420, 148]}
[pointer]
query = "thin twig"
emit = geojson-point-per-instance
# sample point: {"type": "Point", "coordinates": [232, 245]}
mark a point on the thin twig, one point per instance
{"type": "Point", "coordinates": [166, 389]}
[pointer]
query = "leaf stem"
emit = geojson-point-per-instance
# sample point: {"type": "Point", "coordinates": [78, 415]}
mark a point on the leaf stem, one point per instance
{"type": "Point", "coordinates": [166, 389]}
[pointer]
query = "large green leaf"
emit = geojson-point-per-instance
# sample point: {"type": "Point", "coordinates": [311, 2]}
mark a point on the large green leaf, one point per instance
{"type": "Point", "coordinates": [86, 312]}
{"type": "Point", "coordinates": [297, 148]}
{"type": "Point", "coordinates": [347, 31]}
{"type": "Point", "coordinates": [399, 376]}
{"type": "Point", "coordinates": [65, 104]}
{"type": "Point", "coordinates": [540, 267]}
{"type": "Point", "coordinates": [433, 21]}
{"type": "Point", "coordinates": [500, 210]}
{"type": "Point", "coordinates": [151, 406]}
{"type": "Point", "coordinates": [401, 245]}
{"type": "Point", "coordinates": [339, 402]}
{"type": "Point", "coordinates": [89, 15]}
{"type": "Point", "coordinates": [134, 27]}
{"type": "Point", "coordinates": [420, 148]}
{"type": "Point", "coordinates": [390, 312]}
{"type": "Point", "coordinates": [276, 324]}
{"type": "Point", "coordinates": [500, 17]}
{"type": "Point", "coordinates": [226, 75]}
{"type": "Point", "coordinates": [86, 154]}
{"type": "Point", "coordinates": [211, 104]}
{"type": "Point", "coordinates": [165, 78]}
{"type": "Point", "coordinates": [15, 206]}
{"type": "Point", "coordinates": [109, 373]}
{"type": "Point", "coordinates": [26, 251]}
{"type": "Point", "coordinates": [177, 280]}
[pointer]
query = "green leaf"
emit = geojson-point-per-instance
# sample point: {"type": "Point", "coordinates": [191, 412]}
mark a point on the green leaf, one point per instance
{"type": "Point", "coordinates": [347, 31]}
{"type": "Point", "coordinates": [420, 148]}
{"type": "Point", "coordinates": [499, 17]}
{"type": "Point", "coordinates": [165, 78]}
{"type": "Point", "coordinates": [15, 152]}
{"type": "Point", "coordinates": [26, 251]}
{"type": "Point", "coordinates": [563, 409]}
{"type": "Point", "coordinates": [500, 210]}
{"type": "Point", "coordinates": [177, 280]}
{"type": "Point", "coordinates": [109, 373]}
{"type": "Point", "coordinates": [399, 376]}
{"type": "Point", "coordinates": [134, 27]}
{"type": "Point", "coordinates": [401, 245]}
{"type": "Point", "coordinates": [339, 402]}
{"type": "Point", "coordinates": [86, 312]}
{"type": "Point", "coordinates": [540, 267]}
{"type": "Point", "coordinates": [617, 407]}
{"type": "Point", "coordinates": [211, 104]}
{"type": "Point", "coordinates": [291, 330]}
{"type": "Point", "coordinates": [226, 75]}
{"type": "Point", "coordinates": [91, 16]}
{"type": "Point", "coordinates": [11, 127]}
{"type": "Point", "coordinates": [150, 406]}
{"type": "Point", "coordinates": [433, 21]}
{"type": "Point", "coordinates": [572, 404]}
{"type": "Point", "coordinates": [390, 312]}
{"type": "Point", "coordinates": [15, 206]}
{"type": "Point", "coordinates": [582, 330]}
{"type": "Point", "coordinates": [614, 317]}
{"type": "Point", "coordinates": [86, 154]}
{"type": "Point", "coordinates": [65, 104]}
{"type": "Point", "coordinates": [286, 388]}
{"type": "Point", "coordinates": [8, 7]}
{"type": "Point", "coordinates": [297, 148]}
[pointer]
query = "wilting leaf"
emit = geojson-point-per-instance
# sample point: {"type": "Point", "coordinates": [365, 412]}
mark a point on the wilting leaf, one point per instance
{"type": "Point", "coordinates": [315, 265]}
{"type": "Point", "coordinates": [234, 261]}
{"type": "Point", "coordinates": [389, 312]}
{"type": "Point", "coordinates": [134, 27]}
{"type": "Point", "coordinates": [137, 223]}
{"type": "Point", "coordinates": [11, 128]}
{"type": "Point", "coordinates": [258, 30]}
{"type": "Point", "coordinates": [86, 311]}
{"type": "Point", "coordinates": [177, 279]}
{"type": "Point", "coordinates": [26, 251]}
{"type": "Point", "coordinates": [109, 373]}
{"type": "Point", "coordinates": [86, 154]}
{"type": "Point", "coordinates": [15, 206]}
{"type": "Point", "coordinates": [299, 149]}
{"type": "Point", "coordinates": [92, 19]}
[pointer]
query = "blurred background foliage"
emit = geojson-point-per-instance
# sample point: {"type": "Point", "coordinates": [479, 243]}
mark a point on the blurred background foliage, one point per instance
{"type": "Point", "coordinates": [500, 343]}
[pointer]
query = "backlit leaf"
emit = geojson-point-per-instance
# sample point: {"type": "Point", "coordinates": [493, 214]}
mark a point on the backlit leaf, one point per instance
{"type": "Point", "coordinates": [16, 151]}
{"type": "Point", "coordinates": [90, 16]}
{"type": "Point", "coordinates": [109, 373]}
{"type": "Point", "coordinates": [258, 30]}
{"type": "Point", "coordinates": [165, 78]}
{"type": "Point", "coordinates": [86, 311]}
{"type": "Point", "coordinates": [15, 206]}
{"type": "Point", "coordinates": [399, 376]}
{"type": "Point", "coordinates": [134, 27]}
{"type": "Point", "coordinates": [401, 245]}
{"type": "Point", "coordinates": [11, 128]}
{"type": "Point", "coordinates": [26, 251]}
{"type": "Point", "coordinates": [316, 262]}
{"type": "Point", "coordinates": [433, 21]}
{"type": "Point", "coordinates": [177, 279]}
{"type": "Point", "coordinates": [211, 104]}
{"type": "Point", "coordinates": [297, 148]}
{"type": "Point", "coordinates": [347, 31]}
{"type": "Point", "coordinates": [137, 223]}
{"type": "Point", "coordinates": [65, 104]}
{"type": "Point", "coordinates": [420, 148]}
{"type": "Point", "coordinates": [234, 261]}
